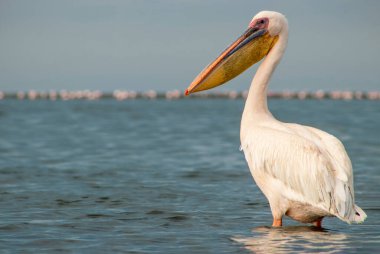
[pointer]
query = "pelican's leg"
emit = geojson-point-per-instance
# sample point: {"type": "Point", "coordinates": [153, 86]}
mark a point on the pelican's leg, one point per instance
{"type": "Point", "coordinates": [276, 213]}
{"type": "Point", "coordinates": [277, 222]}
{"type": "Point", "coordinates": [318, 223]}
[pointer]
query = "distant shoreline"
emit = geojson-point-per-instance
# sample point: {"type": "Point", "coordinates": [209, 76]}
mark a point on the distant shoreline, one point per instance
{"type": "Point", "coordinates": [176, 94]}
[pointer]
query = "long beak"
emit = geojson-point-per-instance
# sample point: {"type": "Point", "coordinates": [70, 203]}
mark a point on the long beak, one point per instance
{"type": "Point", "coordinates": [247, 50]}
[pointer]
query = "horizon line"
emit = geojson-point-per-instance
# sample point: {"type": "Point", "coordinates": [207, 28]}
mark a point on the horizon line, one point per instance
{"type": "Point", "coordinates": [177, 94]}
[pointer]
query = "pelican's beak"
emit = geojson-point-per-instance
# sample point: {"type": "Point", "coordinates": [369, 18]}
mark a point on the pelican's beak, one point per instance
{"type": "Point", "coordinates": [247, 50]}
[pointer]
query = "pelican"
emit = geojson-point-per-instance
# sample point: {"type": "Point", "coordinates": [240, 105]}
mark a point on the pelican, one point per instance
{"type": "Point", "coordinates": [305, 173]}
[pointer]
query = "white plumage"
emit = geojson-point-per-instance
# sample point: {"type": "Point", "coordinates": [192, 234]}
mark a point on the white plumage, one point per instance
{"type": "Point", "coordinates": [294, 164]}
{"type": "Point", "coordinates": [304, 172]}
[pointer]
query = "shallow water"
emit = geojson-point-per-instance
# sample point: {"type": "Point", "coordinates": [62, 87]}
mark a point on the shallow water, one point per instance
{"type": "Point", "coordinates": [157, 176]}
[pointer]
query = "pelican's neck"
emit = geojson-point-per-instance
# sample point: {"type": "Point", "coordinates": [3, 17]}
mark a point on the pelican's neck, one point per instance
{"type": "Point", "coordinates": [256, 106]}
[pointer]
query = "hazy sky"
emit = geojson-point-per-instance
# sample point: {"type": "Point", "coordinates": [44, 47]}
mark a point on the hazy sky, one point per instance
{"type": "Point", "coordinates": [163, 44]}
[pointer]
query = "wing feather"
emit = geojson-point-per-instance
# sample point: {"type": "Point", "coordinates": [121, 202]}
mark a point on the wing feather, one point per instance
{"type": "Point", "coordinates": [312, 164]}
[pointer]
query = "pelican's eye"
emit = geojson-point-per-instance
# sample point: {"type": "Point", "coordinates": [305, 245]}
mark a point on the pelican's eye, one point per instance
{"type": "Point", "coordinates": [261, 21]}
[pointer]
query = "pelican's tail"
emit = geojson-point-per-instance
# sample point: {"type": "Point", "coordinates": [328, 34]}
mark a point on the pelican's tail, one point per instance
{"type": "Point", "coordinates": [360, 215]}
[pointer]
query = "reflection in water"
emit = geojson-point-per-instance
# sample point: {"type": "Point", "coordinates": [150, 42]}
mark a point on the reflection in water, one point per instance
{"type": "Point", "coordinates": [293, 238]}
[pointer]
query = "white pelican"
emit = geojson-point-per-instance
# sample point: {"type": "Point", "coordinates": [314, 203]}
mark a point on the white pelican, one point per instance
{"type": "Point", "coordinates": [305, 173]}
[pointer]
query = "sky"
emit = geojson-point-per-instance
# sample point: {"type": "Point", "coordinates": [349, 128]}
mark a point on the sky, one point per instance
{"type": "Point", "coordinates": [163, 44]}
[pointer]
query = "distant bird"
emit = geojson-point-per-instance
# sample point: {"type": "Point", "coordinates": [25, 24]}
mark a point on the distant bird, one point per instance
{"type": "Point", "coordinates": [304, 172]}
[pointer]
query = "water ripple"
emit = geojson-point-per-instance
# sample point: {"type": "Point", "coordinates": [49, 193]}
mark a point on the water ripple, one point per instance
{"type": "Point", "coordinates": [164, 177]}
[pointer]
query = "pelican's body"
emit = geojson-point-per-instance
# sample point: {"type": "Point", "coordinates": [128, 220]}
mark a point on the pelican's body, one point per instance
{"type": "Point", "coordinates": [304, 172]}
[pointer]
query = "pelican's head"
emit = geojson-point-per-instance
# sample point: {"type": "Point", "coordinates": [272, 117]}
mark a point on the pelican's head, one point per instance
{"type": "Point", "coordinates": [255, 43]}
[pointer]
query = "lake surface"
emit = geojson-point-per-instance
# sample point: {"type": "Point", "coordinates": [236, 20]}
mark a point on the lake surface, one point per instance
{"type": "Point", "coordinates": [159, 176]}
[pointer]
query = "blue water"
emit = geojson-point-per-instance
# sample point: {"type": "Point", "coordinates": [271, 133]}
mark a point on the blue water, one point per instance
{"type": "Point", "coordinates": [158, 176]}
